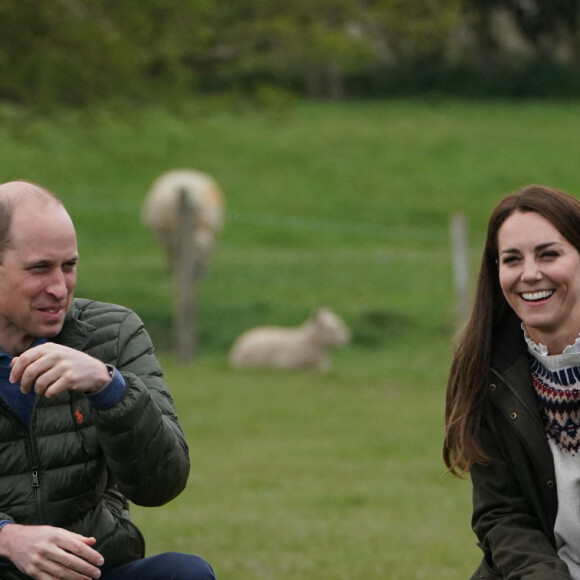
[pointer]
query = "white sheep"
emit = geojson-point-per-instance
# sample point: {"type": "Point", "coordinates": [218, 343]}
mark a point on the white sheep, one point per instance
{"type": "Point", "coordinates": [160, 213]}
{"type": "Point", "coordinates": [302, 347]}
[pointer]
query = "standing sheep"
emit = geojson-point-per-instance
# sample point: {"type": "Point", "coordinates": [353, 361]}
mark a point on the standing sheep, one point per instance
{"type": "Point", "coordinates": [302, 347]}
{"type": "Point", "coordinates": [160, 213]}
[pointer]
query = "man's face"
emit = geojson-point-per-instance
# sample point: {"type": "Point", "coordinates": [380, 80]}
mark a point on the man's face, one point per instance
{"type": "Point", "coordinates": [37, 275]}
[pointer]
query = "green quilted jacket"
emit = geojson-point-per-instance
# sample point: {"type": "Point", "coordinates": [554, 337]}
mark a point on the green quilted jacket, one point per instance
{"type": "Point", "coordinates": [515, 500]}
{"type": "Point", "coordinates": [78, 466]}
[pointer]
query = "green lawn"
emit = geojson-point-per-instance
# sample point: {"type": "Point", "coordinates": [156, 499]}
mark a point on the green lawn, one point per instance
{"type": "Point", "coordinates": [335, 476]}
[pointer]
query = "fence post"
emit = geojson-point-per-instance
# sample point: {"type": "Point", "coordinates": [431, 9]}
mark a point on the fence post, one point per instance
{"type": "Point", "coordinates": [460, 250]}
{"type": "Point", "coordinates": [185, 314]}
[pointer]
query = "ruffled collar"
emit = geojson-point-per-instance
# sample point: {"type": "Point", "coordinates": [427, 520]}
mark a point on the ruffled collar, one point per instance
{"type": "Point", "coordinates": [542, 349]}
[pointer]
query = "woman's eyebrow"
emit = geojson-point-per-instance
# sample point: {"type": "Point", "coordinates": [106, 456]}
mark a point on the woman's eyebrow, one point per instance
{"type": "Point", "coordinates": [538, 248]}
{"type": "Point", "coordinates": [545, 245]}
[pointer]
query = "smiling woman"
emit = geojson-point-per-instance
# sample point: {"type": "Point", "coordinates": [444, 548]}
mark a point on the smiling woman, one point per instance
{"type": "Point", "coordinates": [539, 274]}
{"type": "Point", "coordinates": [513, 395]}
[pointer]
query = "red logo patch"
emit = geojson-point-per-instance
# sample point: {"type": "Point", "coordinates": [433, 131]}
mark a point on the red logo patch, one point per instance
{"type": "Point", "coordinates": [79, 416]}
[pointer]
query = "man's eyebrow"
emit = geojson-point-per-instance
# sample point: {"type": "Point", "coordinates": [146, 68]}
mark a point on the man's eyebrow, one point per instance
{"type": "Point", "coordinates": [45, 260]}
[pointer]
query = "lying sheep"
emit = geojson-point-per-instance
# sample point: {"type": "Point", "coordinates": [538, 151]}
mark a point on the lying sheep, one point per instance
{"type": "Point", "coordinates": [160, 213]}
{"type": "Point", "coordinates": [302, 347]}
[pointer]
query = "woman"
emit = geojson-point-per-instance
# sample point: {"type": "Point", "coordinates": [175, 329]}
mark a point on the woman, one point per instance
{"type": "Point", "coordinates": [513, 395]}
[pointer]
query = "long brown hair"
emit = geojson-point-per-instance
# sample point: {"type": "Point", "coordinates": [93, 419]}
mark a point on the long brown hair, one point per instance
{"type": "Point", "coordinates": [470, 365]}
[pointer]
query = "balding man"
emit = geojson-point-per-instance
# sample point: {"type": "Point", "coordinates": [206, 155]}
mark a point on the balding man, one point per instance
{"type": "Point", "coordinates": [86, 421]}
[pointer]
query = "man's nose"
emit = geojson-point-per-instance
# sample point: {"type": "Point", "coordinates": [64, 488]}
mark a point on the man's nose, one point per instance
{"type": "Point", "coordinates": [57, 285]}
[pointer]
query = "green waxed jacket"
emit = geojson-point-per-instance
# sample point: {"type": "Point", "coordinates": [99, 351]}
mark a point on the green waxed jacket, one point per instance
{"type": "Point", "coordinates": [514, 494]}
{"type": "Point", "coordinates": [78, 466]}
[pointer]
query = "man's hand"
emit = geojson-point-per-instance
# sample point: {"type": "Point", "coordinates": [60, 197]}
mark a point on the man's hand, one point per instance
{"type": "Point", "coordinates": [53, 369]}
{"type": "Point", "coordinates": [46, 553]}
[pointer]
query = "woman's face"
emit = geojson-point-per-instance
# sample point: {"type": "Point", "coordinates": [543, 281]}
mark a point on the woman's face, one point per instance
{"type": "Point", "coordinates": [539, 274]}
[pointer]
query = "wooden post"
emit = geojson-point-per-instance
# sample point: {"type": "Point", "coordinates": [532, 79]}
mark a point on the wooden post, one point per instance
{"type": "Point", "coordinates": [460, 250]}
{"type": "Point", "coordinates": [184, 315]}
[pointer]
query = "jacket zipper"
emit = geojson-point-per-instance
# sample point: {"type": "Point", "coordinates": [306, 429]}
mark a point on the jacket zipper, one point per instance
{"type": "Point", "coordinates": [35, 478]}
{"type": "Point", "coordinates": [32, 454]}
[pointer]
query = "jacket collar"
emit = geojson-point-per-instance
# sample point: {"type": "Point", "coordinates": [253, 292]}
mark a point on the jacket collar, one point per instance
{"type": "Point", "coordinates": [510, 361]}
{"type": "Point", "coordinates": [508, 342]}
{"type": "Point", "coordinates": [75, 333]}
{"type": "Point", "coordinates": [518, 400]}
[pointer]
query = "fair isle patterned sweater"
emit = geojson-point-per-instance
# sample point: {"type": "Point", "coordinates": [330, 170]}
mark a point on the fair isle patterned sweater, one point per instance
{"type": "Point", "coordinates": [556, 379]}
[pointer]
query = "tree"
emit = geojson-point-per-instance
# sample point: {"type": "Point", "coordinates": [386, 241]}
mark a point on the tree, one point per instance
{"type": "Point", "coordinates": [76, 51]}
{"type": "Point", "coordinates": [320, 40]}
{"type": "Point", "coordinates": [552, 27]}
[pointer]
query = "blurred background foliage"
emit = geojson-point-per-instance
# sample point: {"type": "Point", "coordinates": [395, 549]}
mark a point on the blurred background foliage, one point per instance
{"type": "Point", "coordinates": [82, 52]}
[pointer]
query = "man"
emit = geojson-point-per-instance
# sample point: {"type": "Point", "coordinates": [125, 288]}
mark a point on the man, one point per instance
{"type": "Point", "coordinates": [86, 421]}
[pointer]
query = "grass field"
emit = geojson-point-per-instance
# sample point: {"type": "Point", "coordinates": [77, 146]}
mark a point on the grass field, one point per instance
{"type": "Point", "coordinates": [335, 476]}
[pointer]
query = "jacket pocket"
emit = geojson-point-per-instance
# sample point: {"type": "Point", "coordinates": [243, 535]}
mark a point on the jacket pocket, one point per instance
{"type": "Point", "coordinates": [124, 545]}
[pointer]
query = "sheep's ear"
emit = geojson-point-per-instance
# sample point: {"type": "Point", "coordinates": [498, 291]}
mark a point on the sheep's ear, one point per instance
{"type": "Point", "coordinates": [322, 313]}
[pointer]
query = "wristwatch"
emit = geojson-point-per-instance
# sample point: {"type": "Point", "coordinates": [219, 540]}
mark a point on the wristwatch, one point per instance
{"type": "Point", "coordinates": [111, 370]}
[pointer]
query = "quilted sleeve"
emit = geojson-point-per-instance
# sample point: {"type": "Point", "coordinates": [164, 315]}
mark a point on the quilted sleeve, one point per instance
{"type": "Point", "coordinates": [142, 441]}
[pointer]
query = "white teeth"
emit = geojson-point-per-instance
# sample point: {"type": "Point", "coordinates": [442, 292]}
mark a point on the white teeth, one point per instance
{"type": "Point", "coordinates": [537, 295]}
